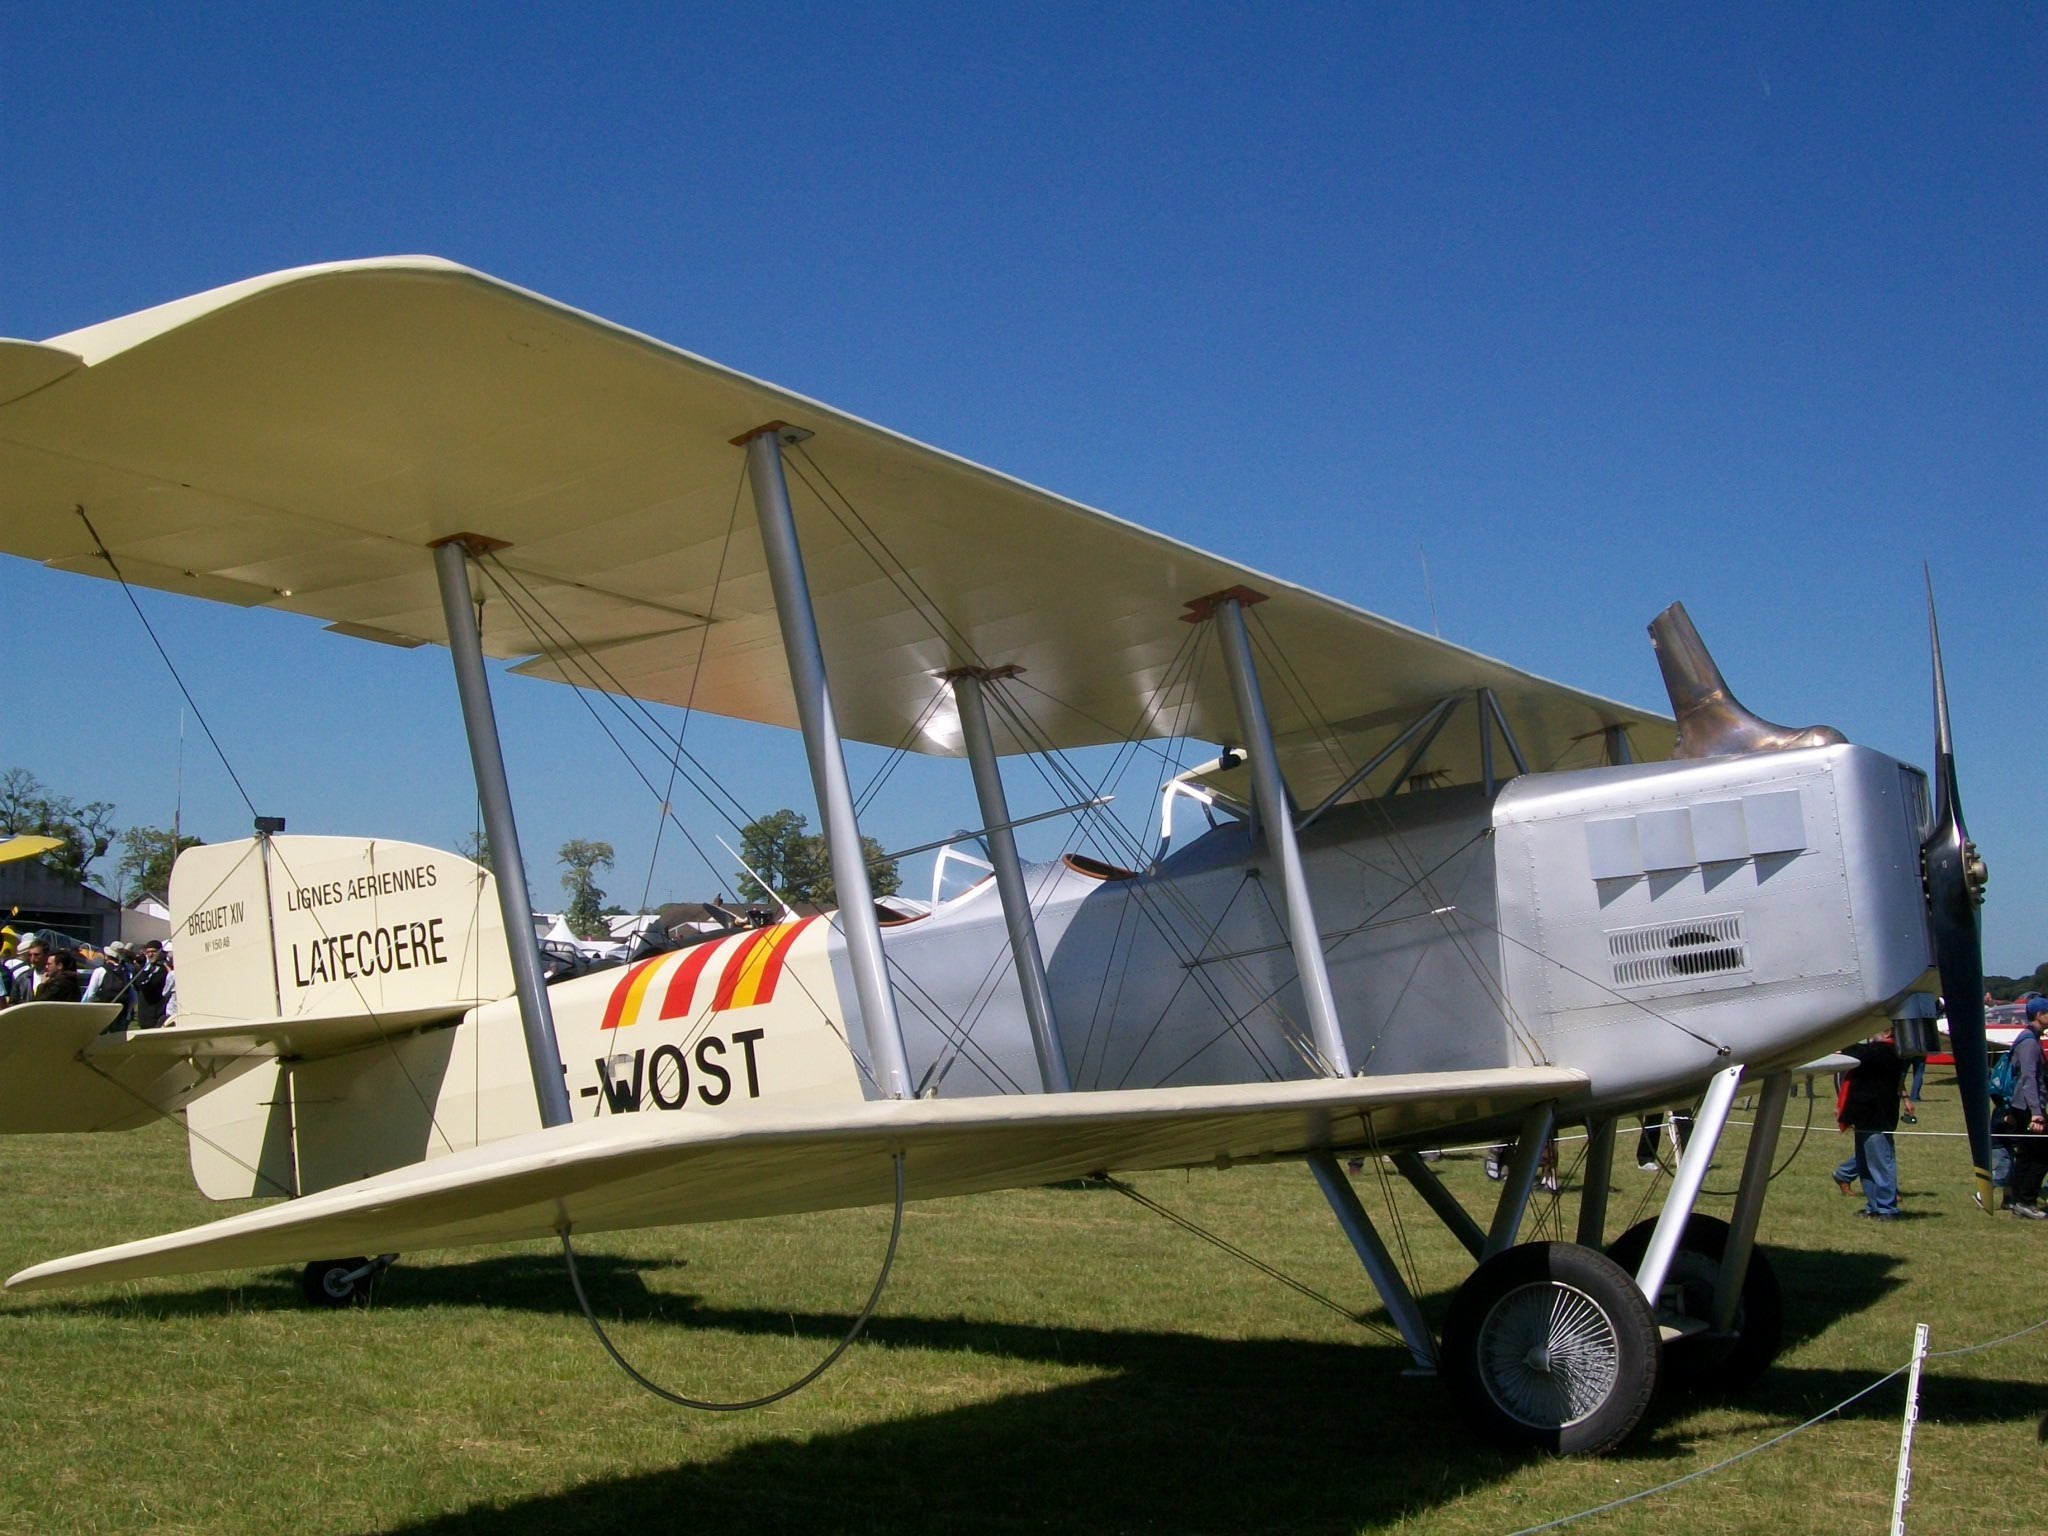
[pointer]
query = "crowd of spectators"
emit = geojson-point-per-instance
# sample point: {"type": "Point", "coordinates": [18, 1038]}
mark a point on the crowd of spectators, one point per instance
{"type": "Point", "coordinates": [41, 969]}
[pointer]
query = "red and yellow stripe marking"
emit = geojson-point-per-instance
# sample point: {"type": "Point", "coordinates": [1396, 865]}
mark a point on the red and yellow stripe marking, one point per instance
{"type": "Point", "coordinates": [675, 1003]}
{"type": "Point", "coordinates": [751, 967]}
{"type": "Point", "coordinates": [625, 1004]}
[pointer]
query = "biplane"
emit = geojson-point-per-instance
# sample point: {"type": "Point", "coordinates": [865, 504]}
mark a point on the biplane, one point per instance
{"type": "Point", "coordinates": [1427, 898]}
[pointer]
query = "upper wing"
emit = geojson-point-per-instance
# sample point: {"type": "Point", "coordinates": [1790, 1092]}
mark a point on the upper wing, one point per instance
{"type": "Point", "coordinates": [655, 1170]}
{"type": "Point", "coordinates": [299, 441]}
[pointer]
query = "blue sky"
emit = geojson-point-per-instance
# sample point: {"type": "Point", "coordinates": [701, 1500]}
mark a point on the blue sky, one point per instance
{"type": "Point", "coordinates": [1743, 306]}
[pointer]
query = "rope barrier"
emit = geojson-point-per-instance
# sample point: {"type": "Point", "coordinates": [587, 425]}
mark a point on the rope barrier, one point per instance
{"type": "Point", "coordinates": [1782, 1436]}
{"type": "Point", "coordinates": [706, 1405]}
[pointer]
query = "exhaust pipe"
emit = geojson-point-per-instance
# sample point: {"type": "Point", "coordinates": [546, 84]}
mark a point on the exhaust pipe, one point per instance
{"type": "Point", "coordinates": [1711, 720]}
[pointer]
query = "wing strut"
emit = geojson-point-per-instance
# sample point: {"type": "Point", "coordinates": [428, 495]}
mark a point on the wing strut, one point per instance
{"type": "Point", "coordinates": [966, 683]}
{"type": "Point", "coordinates": [1269, 796]}
{"type": "Point", "coordinates": [487, 757]}
{"type": "Point", "coordinates": [1430, 720]}
{"type": "Point", "coordinates": [806, 655]}
{"type": "Point", "coordinates": [1489, 705]}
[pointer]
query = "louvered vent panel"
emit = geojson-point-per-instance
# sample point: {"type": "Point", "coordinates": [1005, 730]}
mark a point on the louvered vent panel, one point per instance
{"type": "Point", "coordinates": [1666, 952]}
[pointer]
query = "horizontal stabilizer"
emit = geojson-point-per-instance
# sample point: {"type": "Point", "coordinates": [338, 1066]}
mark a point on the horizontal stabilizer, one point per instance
{"type": "Point", "coordinates": [661, 1169]}
{"type": "Point", "coordinates": [54, 1076]}
{"type": "Point", "coordinates": [60, 1071]}
{"type": "Point", "coordinates": [300, 1038]}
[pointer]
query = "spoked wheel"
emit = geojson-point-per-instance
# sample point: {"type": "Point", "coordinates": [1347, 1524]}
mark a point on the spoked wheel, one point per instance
{"type": "Point", "coordinates": [337, 1282]}
{"type": "Point", "coordinates": [1706, 1362]}
{"type": "Point", "coordinates": [1550, 1346]}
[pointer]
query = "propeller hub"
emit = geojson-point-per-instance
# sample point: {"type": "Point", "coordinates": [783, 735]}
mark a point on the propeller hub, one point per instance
{"type": "Point", "coordinates": [1976, 873]}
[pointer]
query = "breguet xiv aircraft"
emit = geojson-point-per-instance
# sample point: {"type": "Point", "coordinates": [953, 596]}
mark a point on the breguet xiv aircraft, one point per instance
{"type": "Point", "coordinates": [1433, 899]}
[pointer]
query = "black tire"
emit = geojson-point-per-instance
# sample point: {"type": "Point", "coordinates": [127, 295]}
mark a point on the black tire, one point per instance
{"type": "Point", "coordinates": [326, 1283]}
{"type": "Point", "coordinates": [1712, 1364]}
{"type": "Point", "coordinates": [1510, 1311]}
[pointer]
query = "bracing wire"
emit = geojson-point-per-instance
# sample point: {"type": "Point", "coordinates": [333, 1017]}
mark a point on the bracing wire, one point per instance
{"type": "Point", "coordinates": [150, 629]}
{"type": "Point", "coordinates": [369, 1012]}
{"type": "Point", "coordinates": [191, 1130]}
{"type": "Point", "coordinates": [696, 675]}
{"type": "Point", "coordinates": [1216, 1240]}
{"type": "Point", "coordinates": [642, 719]}
{"type": "Point", "coordinates": [583, 689]}
{"type": "Point", "coordinates": [1297, 689]}
{"type": "Point", "coordinates": [707, 1405]}
{"type": "Point", "coordinates": [1412, 1272]}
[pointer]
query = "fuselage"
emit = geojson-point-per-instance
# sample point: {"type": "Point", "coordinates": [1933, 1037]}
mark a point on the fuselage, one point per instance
{"type": "Point", "coordinates": [1461, 930]}
{"type": "Point", "coordinates": [1645, 925]}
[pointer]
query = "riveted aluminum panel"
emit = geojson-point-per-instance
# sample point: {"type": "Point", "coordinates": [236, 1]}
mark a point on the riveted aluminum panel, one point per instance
{"type": "Point", "coordinates": [1766, 946]}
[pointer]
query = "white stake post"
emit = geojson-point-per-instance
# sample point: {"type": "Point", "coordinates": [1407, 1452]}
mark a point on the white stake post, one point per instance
{"type": "Point", "coordinates": [1901, 1490]}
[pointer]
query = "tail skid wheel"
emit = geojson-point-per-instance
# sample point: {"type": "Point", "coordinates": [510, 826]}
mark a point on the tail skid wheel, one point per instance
{"type": "Point", "coordinates": [340, 1282]}
{"type": "Point", "coordinates": [1551, 1347]}
{"type": "Point", "coordinates": [1704, 1362]}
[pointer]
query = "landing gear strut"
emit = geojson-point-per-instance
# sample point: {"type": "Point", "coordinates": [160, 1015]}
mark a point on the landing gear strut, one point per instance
{"type": "Point", "coordinates": [1703, 1360]}
{"type": "Point", "coordinates": [1559, 1347]}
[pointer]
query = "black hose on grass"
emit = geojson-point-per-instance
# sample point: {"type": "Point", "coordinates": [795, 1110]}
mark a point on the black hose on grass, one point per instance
{"type": "Point", "coordinates": [824, 1365]}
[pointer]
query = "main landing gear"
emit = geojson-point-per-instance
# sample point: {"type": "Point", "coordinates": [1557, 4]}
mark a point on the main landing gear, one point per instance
{"type": "Point", "coordinates": [1551, 1346]}
{"type": "Point", "coordinates": [1700, 1358]}
{"type": "Point", "coordinates": [1558, 1347]}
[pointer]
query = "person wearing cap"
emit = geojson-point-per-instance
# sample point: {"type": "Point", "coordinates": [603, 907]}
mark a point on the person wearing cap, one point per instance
{"type": "Point", "coordinates": [2025, 1128]}
{"type": "Point", "coordinates": [13, 962]}
{"type": "Point", "coordinates": [30, 955]}
{"type": "Point", "coordinates": [112, 981]}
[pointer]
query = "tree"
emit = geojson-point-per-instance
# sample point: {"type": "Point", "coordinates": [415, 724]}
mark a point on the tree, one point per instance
{"type": "Point", "coordinates": [86, 831]}
{"type": "Point", "coordinates": [793, 860]}
{"type": "Point", "coordinates": [783, 863]}
{"type": "Point", "coordinates": [2008, 989]}
{"type": "Point", "coordinates": [581, 861]}
{"type": "Point", "coordinates": [476, 847]}
{"type": "Point", "coordinates": [146, 859]}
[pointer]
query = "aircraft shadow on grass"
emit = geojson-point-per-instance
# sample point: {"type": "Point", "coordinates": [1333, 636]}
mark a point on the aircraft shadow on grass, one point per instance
{"type": "Point", "coordinates": [1821, 1286]}
{"type": "Point", "coordinates": [1180, 1432]}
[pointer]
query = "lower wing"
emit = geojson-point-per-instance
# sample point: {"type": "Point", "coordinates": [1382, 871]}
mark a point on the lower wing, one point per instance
{"type": "Point", "coordinates": [657, 1170]}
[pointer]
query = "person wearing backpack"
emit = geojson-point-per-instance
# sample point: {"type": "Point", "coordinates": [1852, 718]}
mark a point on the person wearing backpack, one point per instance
{"type": "Point", "coordinates": [112, 981]}
{"type": "Point", "coordinates": [2000, 1092]}
{"type": "Point", "coordinates": [2025, 1124]}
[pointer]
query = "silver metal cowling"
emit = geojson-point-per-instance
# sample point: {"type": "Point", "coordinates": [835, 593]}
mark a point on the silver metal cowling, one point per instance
{"type": "Point", "coordinates": [1768, 903]}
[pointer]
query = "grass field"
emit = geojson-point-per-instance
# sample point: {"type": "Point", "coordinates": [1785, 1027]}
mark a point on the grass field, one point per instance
{"type": "Point", "coordinates": [1053, 1359]}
